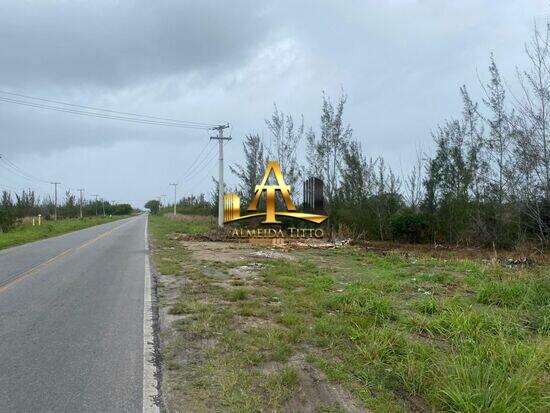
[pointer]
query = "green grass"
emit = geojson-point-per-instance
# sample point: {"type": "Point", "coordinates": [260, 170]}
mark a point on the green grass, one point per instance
{"type": "Point", "coordinates": [169, 259]}
{"type": "Point", "coordinates": [465, 346]}
{"type": "Point", "coordinates": [24, 233]}
{"type": "Point", "coordinates": [162, 225]}
{"type": "Point", "coordinates": [399, 334]}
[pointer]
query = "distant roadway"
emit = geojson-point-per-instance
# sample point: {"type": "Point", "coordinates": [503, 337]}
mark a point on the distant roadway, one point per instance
{"type": "Point", "coordinates": [72, 322]}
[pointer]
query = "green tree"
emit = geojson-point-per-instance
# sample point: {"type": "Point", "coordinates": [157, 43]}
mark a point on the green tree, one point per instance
{"type": "Point", "coordinates": [326, 151]}
{"type": "Point", "coordinates": [286, 138]}
{"type": "Point", "coordinates": [250, 172]}
{"type": "Point", "coordinates": [153, 206]}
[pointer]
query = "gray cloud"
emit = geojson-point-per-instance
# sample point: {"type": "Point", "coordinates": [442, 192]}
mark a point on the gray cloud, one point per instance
{"type": "Point", "coordinates": [401, 63]}
{"type": "Point", "coordinates": [112, 44]}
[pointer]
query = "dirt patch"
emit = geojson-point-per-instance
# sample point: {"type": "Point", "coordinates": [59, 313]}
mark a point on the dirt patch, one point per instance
{"type": "Point", "coordinates": [170, 286]}
{"type": "Point", "coordinates": [190, 218]}
{"type": "Point", "coordinates": [519, 257]}
{"type": "Point", "coordinates": [228, 252]}
{"type": "Point", "coordinates": [273, 254]}
{"type": "Point", "coordinates": [315, 392]}
{"type": "Point", "coordinates": [218, 251]}
{"type": "Point", "coordinates": [236, 266]}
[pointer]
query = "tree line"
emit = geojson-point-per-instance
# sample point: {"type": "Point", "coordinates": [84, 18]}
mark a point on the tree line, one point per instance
{"type": "Point", "coordinates": [14, 206]}
{"type": "Point", "coordinates": [487, 182]}
{"type": "Point", "coordinates": [188, 205]}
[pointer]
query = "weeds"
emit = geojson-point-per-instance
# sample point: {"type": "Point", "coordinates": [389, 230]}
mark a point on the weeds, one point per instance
{"type": "Point", "coordinates": [24, 233]}
{"type": "Point", "coordinates": [397, 333]}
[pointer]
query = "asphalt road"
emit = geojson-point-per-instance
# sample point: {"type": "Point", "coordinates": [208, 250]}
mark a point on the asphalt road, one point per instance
{"type": "Point", "coordinates": [71, 321]}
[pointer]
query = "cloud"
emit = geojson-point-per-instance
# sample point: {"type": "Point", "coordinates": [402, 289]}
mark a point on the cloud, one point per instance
{"type": "Point", "coordinates": [401, 63]}
{"type": "Point", "coordinates": [111, 44]}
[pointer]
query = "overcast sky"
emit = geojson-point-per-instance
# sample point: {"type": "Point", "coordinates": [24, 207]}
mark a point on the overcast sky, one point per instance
{"type": "Point", "coordinates": [401, 63]}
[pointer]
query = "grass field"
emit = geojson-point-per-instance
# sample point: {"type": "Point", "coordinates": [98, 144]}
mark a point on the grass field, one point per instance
{"type": "Point", "coordinates": [332, 330]}
{"type": "Point", "coordinates": [26, 232]}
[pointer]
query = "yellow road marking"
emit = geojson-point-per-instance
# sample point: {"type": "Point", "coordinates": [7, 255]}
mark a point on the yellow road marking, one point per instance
{"type": "Point", "coordinates": [15, 278]}
{"type": "Point", "coordinates": [100, 236]}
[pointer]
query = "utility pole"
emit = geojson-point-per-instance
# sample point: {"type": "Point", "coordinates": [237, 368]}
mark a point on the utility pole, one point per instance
{"type": "Point", "coordinates": [96, 196]}
{"type": "Point", "coordinates": [220, 138]}
{"type": "Point", "coordinates": [55, 200]}
{"type": "Point", "coordinates": [103, 208]}
{"type": "Point", "coordinates": [175, 199]}
{"type": "Point", "coordinates": [81, 191]}
{"type": "Point", "coordinates": [160, 201]}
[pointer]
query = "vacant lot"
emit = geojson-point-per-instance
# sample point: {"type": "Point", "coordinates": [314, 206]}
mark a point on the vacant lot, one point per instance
{"type": "Point", "coordinates": [345, 329]}
{"type": "Point", "coordinates": [26, 232]}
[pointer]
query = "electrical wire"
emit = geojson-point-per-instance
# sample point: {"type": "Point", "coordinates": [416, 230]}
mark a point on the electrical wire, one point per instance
{"type": "Point", "coordinates": [202, 164]}
{"type": "Point", "coordinates": [13, 168]}
{"type": "Point", "coordinates": [8, 188]}
{"type": "Point", "coordinates": [206, 157]}
{"type": "Point", "coordinates": [102, 116]}
{"type": "Point", "coordinates": [9, 165]}
{"type": "Point", "coordinates": [208, 163]}
{"type": "Point", "coordinates": [198, 162]}
{"type": "Point", "coordinates": [134, 117]}
{"type": "Point", "coordinates": [197, 158]}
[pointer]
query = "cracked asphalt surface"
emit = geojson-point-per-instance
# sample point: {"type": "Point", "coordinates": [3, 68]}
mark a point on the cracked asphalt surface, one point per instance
{"type": "Point", "coordinates": [71, 321]}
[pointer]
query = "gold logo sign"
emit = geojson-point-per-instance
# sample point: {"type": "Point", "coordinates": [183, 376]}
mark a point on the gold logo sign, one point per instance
{"type": "Point", "coordinates": [232, 202]}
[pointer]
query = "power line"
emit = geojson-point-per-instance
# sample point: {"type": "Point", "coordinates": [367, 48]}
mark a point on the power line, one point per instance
{"type": "Point", "coordinates": [9, 165]}
{"type": "Point", "coordinates": [9, 188]}
{"type": "Point", "coordinates": [103, 116]}
{"type": "Point", "coordinates": [210, 157]}
{"type": "Point", "coordinates": [109, 114]}
{"type": "Point", "coordinates": [208, 163]}
{"type": "Point", "coordinates": [200, 163]}
{"type": "Point", "coordinates": [190, 168]}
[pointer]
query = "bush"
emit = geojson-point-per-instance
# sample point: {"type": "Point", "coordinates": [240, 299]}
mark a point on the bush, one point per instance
{"type": "Point", "coordinates": [410, 226]}
{"type": "Point", "coordinates": [7, 221]}
{"type": "Point", "coordinates": [122, 209]}
{"type": "Point", "coordinates": [153, 205]}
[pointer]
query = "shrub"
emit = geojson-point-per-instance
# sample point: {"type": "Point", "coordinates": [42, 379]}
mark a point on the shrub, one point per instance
{"type": "Point", "coordinates": [7, 221]}
{"type": "Point", "coordinates": [410, 226]}
{"type": "Point", "coordinates": [153, 205]}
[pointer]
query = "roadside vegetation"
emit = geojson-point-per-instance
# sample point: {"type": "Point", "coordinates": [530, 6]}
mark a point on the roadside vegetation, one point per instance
{"type": "Point", "coordinates": [246, 329]}
{"type": "Point", "coordinates": [189, 205]}
{"type": "Point", "coordinates": [485, 183]}
{"type": "Point", "coordinates": [346, 329]}
{"type": "Point", "coordinates": [25, 232]}
{"type": "Point", "coordinates": [17, 211]}
{"type": "Point", "coordinates": [19, 207]}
